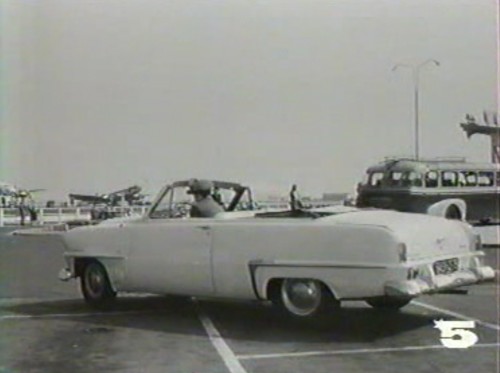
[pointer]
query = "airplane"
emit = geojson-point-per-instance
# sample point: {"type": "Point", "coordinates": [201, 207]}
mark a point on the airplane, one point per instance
{"type": "Point", "coordinates": [7, 189]}
{"type": "Point", "coordinates": [132, 195]}
{"type": "Point", "coordinates": [10, 195]}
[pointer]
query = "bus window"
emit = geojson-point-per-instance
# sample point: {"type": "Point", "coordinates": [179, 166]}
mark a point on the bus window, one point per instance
{"type": "Point", "coordinates": [376, 179]}
{"type": "Point", "coordinates": [395, 179]}
{"type": "Point", "coordinates": [431, 179]}
{"type": "Point", "coordinates": [467, 178]}
{"type": "Point", "coordinates": [366, 178]}
{"type": "Point", "coordinates": [461, 178]}
{"type": "Point", "coordinates": [412, 179]}
{"type": "Point", "coordinates": [449, 179]}
{"type": "Point", "coordinates": [485, 178]}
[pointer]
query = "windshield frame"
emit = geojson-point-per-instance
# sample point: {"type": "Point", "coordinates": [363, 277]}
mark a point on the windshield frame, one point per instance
{"type": "Point", "coordinates": [238, 189]}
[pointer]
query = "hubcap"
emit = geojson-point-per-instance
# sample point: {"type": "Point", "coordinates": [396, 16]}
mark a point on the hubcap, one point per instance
{"type": "Point", "coordinates": [301, 296]}
{"type": "Point", "coordinates": [95, 282]}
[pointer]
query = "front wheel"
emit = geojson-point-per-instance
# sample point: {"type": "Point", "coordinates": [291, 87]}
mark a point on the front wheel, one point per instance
{"type": "Point", "coordinates": [388, 303]}
{"type": "Point", "coordinates": [95, 285]}
{"type": "Point", "coordinates": [304, 299]}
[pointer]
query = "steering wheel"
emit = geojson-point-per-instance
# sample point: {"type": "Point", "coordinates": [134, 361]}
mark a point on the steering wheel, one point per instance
{"type": "Point", "coordinates": [181, 210]}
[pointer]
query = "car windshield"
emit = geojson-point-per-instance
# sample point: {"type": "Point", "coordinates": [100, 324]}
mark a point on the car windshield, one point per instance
{"type": "Point", "coordinates": [176, 202]}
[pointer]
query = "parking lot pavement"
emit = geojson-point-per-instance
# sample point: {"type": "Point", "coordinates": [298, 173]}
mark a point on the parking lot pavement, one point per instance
{"type": "Point", "coordinates": [362, 339]}
{"type": "Point", "coordinates": [426, 361]}
{"type": "Point", "coordinates": [138, 335]}
{"type": "Point", "coordinates": [45, 327]}
{"type": "Point", "coordinates": [477, 304]}
{"type": "Point", "coordinates": [167, 334]}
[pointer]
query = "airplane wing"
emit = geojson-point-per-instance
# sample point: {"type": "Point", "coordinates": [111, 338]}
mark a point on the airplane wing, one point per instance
{"type": "Point", "coordinates": [36, 190]}
{"type": "Point", "coordinates": [134, 189]}
{"type": "Point", "coordinates": [88, 198]}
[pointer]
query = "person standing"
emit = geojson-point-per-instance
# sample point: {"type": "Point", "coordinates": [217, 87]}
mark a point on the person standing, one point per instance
{"type": "Point", "coordinates": [295, 203]}
{"type": "Point", "coordinates": [22, 205]}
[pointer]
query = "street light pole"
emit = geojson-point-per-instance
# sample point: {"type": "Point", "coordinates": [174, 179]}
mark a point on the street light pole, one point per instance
{"type": "Point", "coordinates": [416, 73]}
{"type": "Point", "coordinates": [416, 109]}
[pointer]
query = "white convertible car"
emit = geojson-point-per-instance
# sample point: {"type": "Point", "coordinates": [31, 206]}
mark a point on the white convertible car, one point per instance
{"type": "Point", "coordinates": [304, 261]}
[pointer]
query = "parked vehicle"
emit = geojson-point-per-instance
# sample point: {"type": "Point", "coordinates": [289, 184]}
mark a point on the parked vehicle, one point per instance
{"type": "Point", "coordinates": [305, 261]}
{"type": "Point", "coordinates": [452, 188]}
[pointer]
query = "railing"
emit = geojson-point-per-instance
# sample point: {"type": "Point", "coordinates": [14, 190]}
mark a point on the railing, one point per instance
{"type": "Point", "coordinates": [59, 215]}
{"type": "Point", "coordinates": [55, 215]}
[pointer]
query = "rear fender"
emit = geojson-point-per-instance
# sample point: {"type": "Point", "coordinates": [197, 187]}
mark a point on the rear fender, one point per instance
{"type": "Point", "coordinates": [446, 207]}
{"type": "Point", "coordinates": [263, 275]}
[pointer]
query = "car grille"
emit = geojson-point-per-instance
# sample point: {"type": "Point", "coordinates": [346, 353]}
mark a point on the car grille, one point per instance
{"type": "Point", "coordinates": [444, 267]}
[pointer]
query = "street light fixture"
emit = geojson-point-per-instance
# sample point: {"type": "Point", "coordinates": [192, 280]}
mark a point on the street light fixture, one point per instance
{"type": "Point", "coordinates": [416, 72]}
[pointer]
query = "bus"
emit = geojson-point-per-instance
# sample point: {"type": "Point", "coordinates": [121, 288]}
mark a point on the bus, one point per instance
{"type": "Point", "coordinates": [452, 188]}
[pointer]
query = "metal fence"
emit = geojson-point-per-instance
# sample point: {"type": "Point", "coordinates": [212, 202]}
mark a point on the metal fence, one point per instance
{"type": "Point", "coordinates": [55, 215]}
{"type": "Point", "coordinates": [58, 215]}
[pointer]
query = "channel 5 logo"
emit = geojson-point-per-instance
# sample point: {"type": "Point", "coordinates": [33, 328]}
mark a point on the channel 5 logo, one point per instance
{"type": "Point", "coordinates": [455, 334]}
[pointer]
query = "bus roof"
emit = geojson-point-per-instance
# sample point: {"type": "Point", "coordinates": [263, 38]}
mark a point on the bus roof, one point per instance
{"type": "Point", "coordinates": [422, 166]}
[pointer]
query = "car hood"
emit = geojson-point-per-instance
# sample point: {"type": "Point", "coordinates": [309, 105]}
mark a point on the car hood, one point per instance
{"type": "Point", "coordinates": [424, 235]}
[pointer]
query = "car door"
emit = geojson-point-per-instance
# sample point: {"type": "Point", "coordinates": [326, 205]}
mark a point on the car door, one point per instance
{"type": "Point", "coordinates": [170, 253]}
{"type": "Point", "coordinates": [170, 256]}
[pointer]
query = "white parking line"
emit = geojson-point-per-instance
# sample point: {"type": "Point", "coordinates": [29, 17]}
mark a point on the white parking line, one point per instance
{"type": "Point", "coordinates": [225, 352]}
{"type": "Point", "coordinates": [457, 315]}
{"type": "Point", "coordinates": [355, 351]}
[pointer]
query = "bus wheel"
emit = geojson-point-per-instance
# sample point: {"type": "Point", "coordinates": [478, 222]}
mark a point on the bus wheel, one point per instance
{"type": "Point", "coordinates": [453, 213]}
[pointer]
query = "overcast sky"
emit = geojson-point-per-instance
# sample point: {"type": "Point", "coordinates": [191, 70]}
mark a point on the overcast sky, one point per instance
{"type": "Point", "coordinates": [98, 95]}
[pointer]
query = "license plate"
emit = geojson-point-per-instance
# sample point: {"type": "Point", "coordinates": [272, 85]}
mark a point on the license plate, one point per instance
{"type": "Point", "coordinates": [444, 267]}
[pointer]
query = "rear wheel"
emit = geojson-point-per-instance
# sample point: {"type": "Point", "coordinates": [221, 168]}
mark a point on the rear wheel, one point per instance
{"type": "Point", "coordinates": [304, 299]}
{"type": "Point", "coordinates": [453, 213]}
{"type": "Point", "coordinates": [388, 303]}
{"type": "Point", "coordinates": [95, 285]}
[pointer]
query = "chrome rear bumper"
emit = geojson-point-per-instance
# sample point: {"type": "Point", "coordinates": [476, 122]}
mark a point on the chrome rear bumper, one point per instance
{"type": "Point", "coordinates": [436, 283]}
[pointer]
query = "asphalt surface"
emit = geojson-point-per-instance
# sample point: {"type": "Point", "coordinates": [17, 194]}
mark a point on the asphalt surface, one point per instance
{"type": "Point", "coordinates": [46, 327]}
